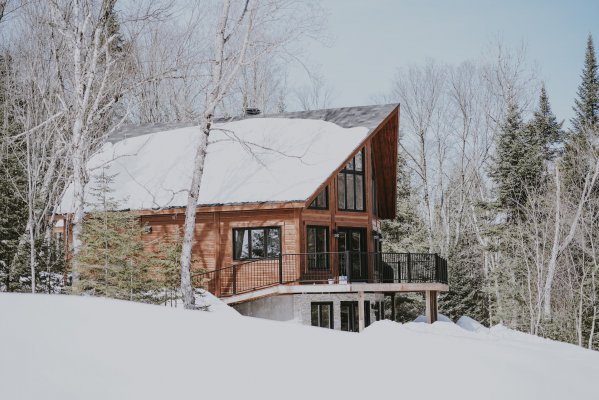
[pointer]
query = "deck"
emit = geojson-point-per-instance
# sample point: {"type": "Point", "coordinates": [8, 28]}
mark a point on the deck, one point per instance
{"type": "Point", "coordinates": [326, 273]}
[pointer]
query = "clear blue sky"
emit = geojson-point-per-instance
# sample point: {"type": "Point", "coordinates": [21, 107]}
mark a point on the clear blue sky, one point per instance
{"type": "Point", "coordinates": [371, 38]}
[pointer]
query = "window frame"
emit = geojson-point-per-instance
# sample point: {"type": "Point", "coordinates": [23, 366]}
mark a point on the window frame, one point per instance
{"type": "Point", "coordinates": [312, 205]}
{"type": "Point", "coordinates": [265, 230]}
{"type": "Point", "coordinates": [327, 246]}
{"type": "Point", "coordinates": [353, 321]}
{"type": "Point", "coordinates": [319, 304]}
{"type": "Point", "coordinates": [353, 172]}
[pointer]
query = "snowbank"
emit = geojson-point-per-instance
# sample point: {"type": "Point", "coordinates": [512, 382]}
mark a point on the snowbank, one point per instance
{"type": "Point", "coordinates": [252, 160]}
{"type": "Point", "coordinates": [214, 304]}
{"type": "Point", "coordinates": [471, 325]}
{"type": "Point", "coordinates": [68, 347]}
{"type": "Point", "coordinates": [440, 318]}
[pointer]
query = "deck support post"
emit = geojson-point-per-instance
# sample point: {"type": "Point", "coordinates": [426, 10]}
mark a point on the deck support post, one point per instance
{"type": "Point", "coordinates": [360, 311]}
{"type": "Point", "coordinates": [431, 306]}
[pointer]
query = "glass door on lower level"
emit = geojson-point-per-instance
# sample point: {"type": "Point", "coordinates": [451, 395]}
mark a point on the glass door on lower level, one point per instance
{"type": "Point", "coordinates": [349, 315]}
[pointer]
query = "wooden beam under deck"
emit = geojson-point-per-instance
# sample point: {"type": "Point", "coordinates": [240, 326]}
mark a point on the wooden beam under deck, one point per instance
{"type": "Point", "coordinates": [336, 288]}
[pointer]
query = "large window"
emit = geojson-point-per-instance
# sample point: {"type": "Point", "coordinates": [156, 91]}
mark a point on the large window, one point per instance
{"type": "Point", "coordinates": [321, 202]}
{"type": "Point", "coordinates": [255, 243]}
{"type": "Point", "coordinates": [322, 314]}
{"type": "Point", "coordinates": [350, 185]}
{"type": "Point", "coordinates": [318, 247]}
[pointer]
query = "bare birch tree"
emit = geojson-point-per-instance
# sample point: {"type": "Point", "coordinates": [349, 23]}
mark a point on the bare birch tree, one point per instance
{"type": "Point", "coordinates": [242, 33]}
{"type": "Point", "coordinates": [31, 85]}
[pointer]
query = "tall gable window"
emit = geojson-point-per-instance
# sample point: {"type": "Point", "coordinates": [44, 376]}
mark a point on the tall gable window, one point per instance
{"type": "Point", "coordinates": [256, 243]}
{"type": "Point", "coordinates": [321, 202]}
{"type": "Point", "coordinates": [350, 185]}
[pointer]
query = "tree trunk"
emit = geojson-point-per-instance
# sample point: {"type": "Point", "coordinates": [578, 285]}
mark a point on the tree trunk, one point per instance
{"type": "Point", "coordinates": [31, 250]}
{"type": "Point", "coordinates": [190, 217]}
{"type": "Point", "coordinates": [220, 84]}
{"type": "Point", "coordinates": [79, 213]}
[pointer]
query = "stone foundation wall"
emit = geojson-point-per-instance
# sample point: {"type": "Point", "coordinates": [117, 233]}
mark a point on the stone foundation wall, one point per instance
{"type": "Point", "coordinates": [302, 305]}
{"type": "Point", "coordinates": [297, 307]}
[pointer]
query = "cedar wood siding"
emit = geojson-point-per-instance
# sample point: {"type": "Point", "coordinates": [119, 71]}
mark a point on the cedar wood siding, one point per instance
{"type": "Point", "coordinates": [382, 143]}
{"type": "Point", "coordinates": [213, 245]}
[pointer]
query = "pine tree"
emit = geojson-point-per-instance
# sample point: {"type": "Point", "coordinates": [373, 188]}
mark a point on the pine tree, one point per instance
{"type": "Point", "coordinates": [509, 156]}
{"type": "Point", "coordinates": [466, 294]}
{"type": "Point", "coordinates": [112, 261]}
{"type": "Point", "coordinates": [13, 213]}
{"type": "Point", "coordinates": [585, 124]}
{"type": "Point", "coordinates": [166, 268]}
{"type": "Point", "coordinates": [13, 181]}
{"type": "Point", "coordinates": [548, 131]}
{"type": "Point", "coordinates": [587, 104]}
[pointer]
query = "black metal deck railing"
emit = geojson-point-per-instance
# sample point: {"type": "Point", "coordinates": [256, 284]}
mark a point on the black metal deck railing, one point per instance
{"type": "Point", "coordinates": [329, 268]}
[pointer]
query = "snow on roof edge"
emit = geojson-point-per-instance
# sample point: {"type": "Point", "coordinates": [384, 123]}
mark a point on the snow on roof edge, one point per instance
{"type": "Point", "coordinates": [376, 115]}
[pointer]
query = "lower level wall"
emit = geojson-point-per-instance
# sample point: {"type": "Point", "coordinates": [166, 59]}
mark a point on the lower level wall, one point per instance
{"type": "Point", "coordinates": [277, 308]}
{"type": "Point", "coordinates": [297, 307]}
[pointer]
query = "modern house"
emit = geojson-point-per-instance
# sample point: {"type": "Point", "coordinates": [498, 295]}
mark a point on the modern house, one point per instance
{"type": "Point", "coordinates": [289, 212]}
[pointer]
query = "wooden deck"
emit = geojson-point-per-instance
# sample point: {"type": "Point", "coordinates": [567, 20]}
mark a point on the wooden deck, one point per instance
{"type": "Point", "coordinates": [336, 288]}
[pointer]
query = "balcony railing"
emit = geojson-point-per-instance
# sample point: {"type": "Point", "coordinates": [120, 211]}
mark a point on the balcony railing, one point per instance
{"type": "Point", "coordinates": [324, 268]}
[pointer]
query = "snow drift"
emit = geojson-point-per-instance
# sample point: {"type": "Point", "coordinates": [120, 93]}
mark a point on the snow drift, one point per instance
{"type": "Point", "coordinates": [67, 347]}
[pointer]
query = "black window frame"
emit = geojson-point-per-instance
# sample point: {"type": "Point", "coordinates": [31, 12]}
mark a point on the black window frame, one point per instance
{"type": "Point", "coordinates": [319, 305]}
{"type": "Point", "coordinates": [350, 169]}
{"type": "Point", "coordinates": [316, 258]}
{"type": "Point", "coordinates": [266, 230]}
{"type": "Point", "coordinates": [314, 206]}
{"type": "Point", "coordinates": [352, 315]}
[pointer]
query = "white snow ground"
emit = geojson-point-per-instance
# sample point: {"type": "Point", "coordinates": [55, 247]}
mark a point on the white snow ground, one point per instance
{"type": "Point", "coordinates": [67, 347]}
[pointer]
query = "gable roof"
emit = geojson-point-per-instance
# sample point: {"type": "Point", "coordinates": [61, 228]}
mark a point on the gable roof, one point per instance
{"type": "Point", "coordinates": [270, 158]}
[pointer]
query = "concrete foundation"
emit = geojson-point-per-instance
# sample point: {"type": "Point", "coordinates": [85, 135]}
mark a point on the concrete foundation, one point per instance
{"type": "Point", "coordinates": [298, 306]}
{"type": "Point", "coordinates": [277, 308]}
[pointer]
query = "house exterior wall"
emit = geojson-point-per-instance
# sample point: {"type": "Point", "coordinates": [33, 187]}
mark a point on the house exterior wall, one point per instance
{"type": "Point", "coordinates": [298, 307]}
{"type": "Point", "coordinates": [277, 308]}
{"type": "Point", "coordinates": [213, 247]}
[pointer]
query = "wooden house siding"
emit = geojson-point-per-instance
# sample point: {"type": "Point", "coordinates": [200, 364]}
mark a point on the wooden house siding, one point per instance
{"type": "Point", "coordinates": [213, 244]}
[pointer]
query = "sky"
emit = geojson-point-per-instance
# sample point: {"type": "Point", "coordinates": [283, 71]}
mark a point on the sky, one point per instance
{"type": "Point", "coordinates": [370, 39]}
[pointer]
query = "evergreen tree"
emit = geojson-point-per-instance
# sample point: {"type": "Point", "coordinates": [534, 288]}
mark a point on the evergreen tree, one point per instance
{"type": "Point", "coordinates": [13, 213]}
{"type": "Point", "coordinates": [522, 154]}
{"type": "Point", "coordinates": [112, 260]}
{"type": "Point", "coordinates": [13, 182]}
{"type": "Point", "coordinates": [506, 171]}
{"type": "Point", "coordinates": [587, 104]}
{"type": "Point", "coordinates": [585, 124]}
{"type": "Point", "coordinates": [466, 294]}
{"type": "Point", "coordinates": [548, 131]}
{"type": "Point", "coordinates": [115, 261]}
{"type": "Point", "coordinates": [166, 268]}
{"type": "Point", "coordinates": [405, 233]}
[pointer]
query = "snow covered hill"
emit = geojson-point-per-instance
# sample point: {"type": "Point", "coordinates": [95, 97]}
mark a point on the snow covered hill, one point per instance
{"type": "Point", "coordinates": [67, 347]}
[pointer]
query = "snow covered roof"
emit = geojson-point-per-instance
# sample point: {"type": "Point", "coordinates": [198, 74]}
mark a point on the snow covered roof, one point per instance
{"type": "Point", "coordinates": [276, 158]}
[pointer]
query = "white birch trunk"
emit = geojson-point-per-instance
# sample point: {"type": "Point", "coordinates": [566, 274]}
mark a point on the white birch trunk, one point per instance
{"type": "Point", "coordinates": [219, 87]}
{"type": "Point", "coordinates": [558, 247]}
{"type": "Point", "coordinates": [190, 218]}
